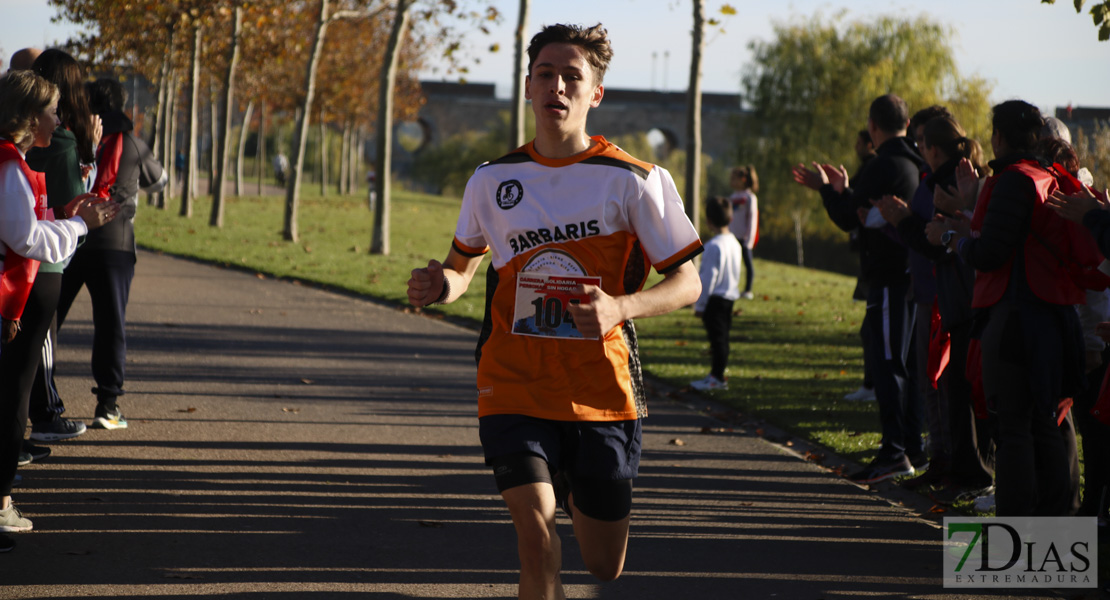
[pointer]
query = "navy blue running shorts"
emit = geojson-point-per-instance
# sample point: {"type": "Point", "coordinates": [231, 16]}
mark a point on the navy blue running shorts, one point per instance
{"type": "Point", "coordinates": [607, 450]}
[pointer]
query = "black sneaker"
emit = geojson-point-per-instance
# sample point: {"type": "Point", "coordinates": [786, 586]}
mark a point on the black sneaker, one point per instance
{"type": "Point", "coordinates": [24, 459]}
{"type": "Point", "coordinates": [881, 469]}
{"type": "Point", "coordinates": [109, 418]}
{"type": "Point", "coordinates": [58, 429]}
{"type": "Point", "coordinates": [36, 452]}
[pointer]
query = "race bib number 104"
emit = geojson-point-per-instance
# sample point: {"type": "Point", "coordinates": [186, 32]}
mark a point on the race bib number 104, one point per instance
{"type": "Point", "coordinates": [541, 304]}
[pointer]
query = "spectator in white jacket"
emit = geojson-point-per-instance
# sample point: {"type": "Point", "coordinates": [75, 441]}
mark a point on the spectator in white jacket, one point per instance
{"type": "Point", "coordinates": [720, 274]}
{"type": "Point", "coordinates": [28, 234]}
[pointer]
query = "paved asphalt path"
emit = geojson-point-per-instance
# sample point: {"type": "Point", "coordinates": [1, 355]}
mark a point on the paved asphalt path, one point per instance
{"type": "Point", "coordinates": [292, 443]}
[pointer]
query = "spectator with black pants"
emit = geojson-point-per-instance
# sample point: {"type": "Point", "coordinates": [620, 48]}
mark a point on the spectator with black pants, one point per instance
{"type": "Point", "coordinates": [720, 272]}
{"type": "Point", "coordinates": [105, 263]}
{"type": "Point", "coordinates": [884, 265]}
{"type": "Point", "coordinates": [1033, 351]}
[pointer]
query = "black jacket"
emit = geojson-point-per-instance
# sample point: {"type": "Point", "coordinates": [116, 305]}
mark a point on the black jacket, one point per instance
{"type": "Point", "coordinates": [896, 169]}
{"type": "Point", "coordinates": [955, 280]}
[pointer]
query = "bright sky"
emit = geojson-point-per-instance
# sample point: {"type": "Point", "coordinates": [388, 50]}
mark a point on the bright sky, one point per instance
{"type": "Point", "coordinates": [1045, 54]}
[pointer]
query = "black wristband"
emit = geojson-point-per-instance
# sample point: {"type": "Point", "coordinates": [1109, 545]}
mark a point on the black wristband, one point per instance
{"type": "Point", "coordinates": [445, 293]}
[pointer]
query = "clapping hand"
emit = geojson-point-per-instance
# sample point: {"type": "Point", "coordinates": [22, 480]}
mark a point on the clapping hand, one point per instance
{"type": "Point", "coordinates": [1075, 207]}
{"type": "Point", "coordinates": [93, 210]}
{"type": "Point", "coordinates": [893, 209]}
{"type": "Point", "coordinates": [812, 179]}
{"type": "Point", "coordinates": [837, 177]}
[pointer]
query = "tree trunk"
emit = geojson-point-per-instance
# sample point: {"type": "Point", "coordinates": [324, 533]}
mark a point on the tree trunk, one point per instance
{"type": "Point", "coordinates": [228, 105]}
{"type": "Point", "coordinates": [260, 147]}
{"type": "Point", "coordinates": [380, 242]}
{"type": "Point", "coordinates": [188, 189]}
{"type": "Point", "coordinates": [693, 118]}
{"type": "Point", "coordinates": [240, 159]}
{"type": "Point", "coordinates": [356, 160]}
{"type": "Point", "coordinates": [170, 141]}
{"type": "Point", "coordinates": [300, 136]}
{"type": "Point", "coordinates": [343, 183]}
{"type": "Point", "coordinates": [213, 134]}
{"type": "Point", "coordinates": [800, 217]}
{"type": "Point", "coordinates": [516, 129]}
{"type": "Point", "coordinates": [323, 156]}
{"type": "Point", "coordinates": [161, 117]}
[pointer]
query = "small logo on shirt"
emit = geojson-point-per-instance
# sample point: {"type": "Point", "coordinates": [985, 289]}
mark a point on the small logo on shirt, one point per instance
{"type": "Point", "coordinates": [509, 194]}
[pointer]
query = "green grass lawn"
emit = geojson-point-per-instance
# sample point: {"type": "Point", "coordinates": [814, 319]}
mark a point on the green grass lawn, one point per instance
{"type": "Point", "coordinates": [795, 351]}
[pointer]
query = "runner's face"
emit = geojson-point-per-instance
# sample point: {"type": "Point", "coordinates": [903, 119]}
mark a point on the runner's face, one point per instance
{"type": "Point", "coordinates": [562, 89]}
{"type": "Point", "coordinates": [48, 122]}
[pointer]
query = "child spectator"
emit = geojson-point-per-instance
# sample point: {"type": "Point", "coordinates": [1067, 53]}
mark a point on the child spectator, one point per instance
{"type": "Point", "coordinates": [745, 221]}
{"type": "Point", "coordinates": [720, 274]}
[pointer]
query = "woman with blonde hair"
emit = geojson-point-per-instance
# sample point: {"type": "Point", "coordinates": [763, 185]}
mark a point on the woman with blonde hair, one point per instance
{"type": "Point", "coordinates": [28, 234]}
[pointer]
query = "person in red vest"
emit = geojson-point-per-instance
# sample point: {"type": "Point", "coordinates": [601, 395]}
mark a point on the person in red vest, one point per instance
{"type": "Point", "coordinates": [1031, 340]}
{"type": "Point", "coordinates": [29, 234]}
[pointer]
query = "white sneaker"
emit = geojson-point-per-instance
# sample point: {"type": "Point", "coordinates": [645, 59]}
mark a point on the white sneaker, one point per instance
{"type": "Point", "coordinates": [861, 395]}
{"type": "Point", "coordinates": [747, 295]}
{"type": "Point", "coordinates": [709, 383]}
{"type": "Point", "coordinates": [12, 521]}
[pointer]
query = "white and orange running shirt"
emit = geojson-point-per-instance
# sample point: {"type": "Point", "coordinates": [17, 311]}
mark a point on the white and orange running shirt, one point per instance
{"type": "Point", "coordinates": [599, 217]}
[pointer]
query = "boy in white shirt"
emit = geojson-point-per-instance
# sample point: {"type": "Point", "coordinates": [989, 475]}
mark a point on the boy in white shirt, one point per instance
{"type": "Point", "coordinates": [720, 274]}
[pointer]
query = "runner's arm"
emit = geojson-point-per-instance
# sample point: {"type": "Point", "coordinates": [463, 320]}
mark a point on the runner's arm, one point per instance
{"type": "Point", "coordinates": [680, 287]}
{"type": "Point", "coordinates": [426, 284]}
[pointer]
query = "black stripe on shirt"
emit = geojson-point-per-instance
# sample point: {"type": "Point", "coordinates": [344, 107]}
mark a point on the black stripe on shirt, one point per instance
{"type": "Point", "coordinates": [609, 161]}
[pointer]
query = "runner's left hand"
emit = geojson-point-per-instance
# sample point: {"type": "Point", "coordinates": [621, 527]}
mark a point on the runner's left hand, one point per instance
{"type": "Point", "coordinates": [597, 317]}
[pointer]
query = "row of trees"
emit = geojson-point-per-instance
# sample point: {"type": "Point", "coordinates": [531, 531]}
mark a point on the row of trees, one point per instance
{"type": "Point", "coordinates": [809, 89]}
{"type": "Point", "coordinates": [349, 63]}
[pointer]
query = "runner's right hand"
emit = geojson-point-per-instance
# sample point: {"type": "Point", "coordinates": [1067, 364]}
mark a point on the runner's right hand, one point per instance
{"type": "Point", "coordinates": [425, 285]}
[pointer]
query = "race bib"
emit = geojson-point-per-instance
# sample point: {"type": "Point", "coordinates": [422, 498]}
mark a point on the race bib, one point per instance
{"type": "Point", "coordinates": [541, 304]}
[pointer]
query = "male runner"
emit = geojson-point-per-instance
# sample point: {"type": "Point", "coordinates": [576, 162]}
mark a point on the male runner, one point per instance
{"type": "Point", "coordinates": [572, 224]}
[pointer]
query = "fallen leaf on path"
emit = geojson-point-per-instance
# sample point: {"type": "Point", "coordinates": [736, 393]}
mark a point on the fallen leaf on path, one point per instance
{"type": "Point", "coordinates": [191, 409]}
{"type": "Point", "coordinates": [290, 410]}
{"type": "Point", "coordinates": [677, 442]}
{"type": "Point", "coordinates": [307, 381]}
{"type": "Point", "coordinates": [938, 509]}
{"type": "Point", "coordinates": [815, 457]}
